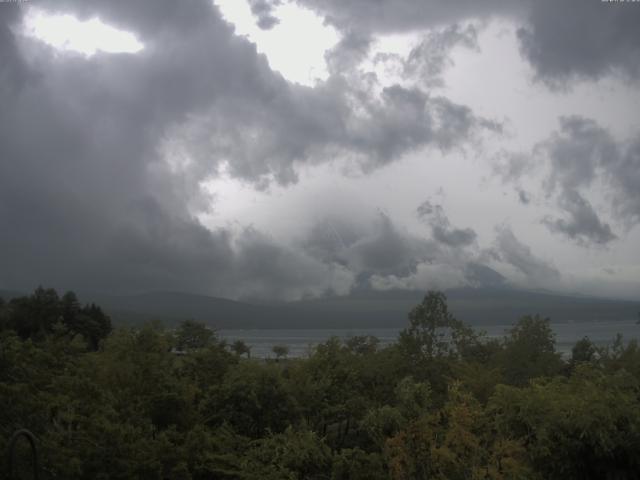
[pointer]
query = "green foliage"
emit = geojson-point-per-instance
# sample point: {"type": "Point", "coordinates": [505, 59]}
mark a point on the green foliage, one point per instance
{"type": "Point", "coordinates": [429, 332]}
{"type": "Point", "coordinates": [253, 399]}
{"type": "Point", "coordinates": [192, 335]}
{"type": "Point", "coordinates": [239, 347]}
{"type": "Point", "coordinates": [584, 351]}
{"type": "Point", "coordinates": [281, 351]}
{"type": "Point", "coordinates": [36, 315]}
{"type": "Point", "coordinates": [443, 403]}
{"type": "Point", "coordinates": [582, 427]}
{"type": "Point", "coordinates": [529, 351]}
{"type": "Point", "coordinates": [292, 454]}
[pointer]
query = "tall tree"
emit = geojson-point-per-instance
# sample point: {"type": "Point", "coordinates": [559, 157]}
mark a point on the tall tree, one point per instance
{"type": "Point", "coordinates": [193, 335]}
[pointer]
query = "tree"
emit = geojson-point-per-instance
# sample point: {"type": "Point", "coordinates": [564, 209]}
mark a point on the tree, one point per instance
{"type": "Point", "coordinates": [93, 324]}
{"type": "Point", "coordinates": [585, 426]}
{"type": "Point", "coordinates": [529, 351]}
{"type": "Point", "coordinates": [433, 331]}
{"type": "Point", "coordinates": [34, 316]}
{"type": "Point", "coordinates": [363, 344]}
{"type": "Point", "coordinates": [3, 314]}
{"type": "Point", "coordinates": [252, 398]}
{"type": "Point", "coordinates": [239, 347]}
{"type": "Point", "coordinates": [434, 341]}
{"type": "Point", "coordinates": [429, 322]}
{"type": "Point", "coordinates": [583, 351]}
{"type": "Point", "coordinates": [70, 308]}
{"type": "Point", "coordinates": [192, 335]}
{"type": "Point", "coordinates": [281, 351]}
{"type": "Point", "coordinates": [292, 454]}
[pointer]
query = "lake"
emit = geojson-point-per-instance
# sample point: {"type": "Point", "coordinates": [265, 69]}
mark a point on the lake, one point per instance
{"type": "Point", "coordinates": [302, 341]}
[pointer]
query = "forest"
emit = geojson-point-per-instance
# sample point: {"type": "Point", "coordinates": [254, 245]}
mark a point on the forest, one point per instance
{"type": "Point", "coordinates": [443, 402]}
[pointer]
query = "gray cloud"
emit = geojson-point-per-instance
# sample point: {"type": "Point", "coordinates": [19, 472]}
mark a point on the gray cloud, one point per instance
{"type": "Point", "coordinates": [85, 200]}
{"type": "Point", "coordinates": [265, 269]}
{"type": "Point", "coordinates": [103, 157]}
{"type": "Point", "coordinates": [512, 166]}
{"type": "Point", "coordinates": [265, 139]}
{"type": "Point", "coordinates": [458, 267]}
{"type": "Point", "coordinates": [369, 248]}
{"type": "Point", "coordinates": [510, 250]}
{"type": "Point", "coordinates": [523, 197]}
{"type": "Point", "coordinates": [562, 41]}
{"type": "Point", "coordinates": [583, 151]}
{"type": "Point", "coordinates": [263, 11]}
{"type": "Point", "coordinates": [480, 275]}
{"type": "Point", "coordinates": [386, 250]}
{"type": "Point", "coordinates": [429, 59]}
{"type": "Point", "coordinates": [582, 39]}
{"type": "Point", "coordinates": [576, 151]}
{"type": "Point", "coordinates": [583, 225]}
{"type": "Point", "coordinates": [580, 155]}
{"type": "Point", "coordinates": [88, 201]}
{"type": "Point", "coordinates": [13, 72]}
{"type": "Point", "coordinates": [448, 262]}
{"type": "Point", "coordinates": [352, 48]}
{"type": "Point", "coordinates": [441, 228]}
{"type": "Point", "coordinates": [405, 15]}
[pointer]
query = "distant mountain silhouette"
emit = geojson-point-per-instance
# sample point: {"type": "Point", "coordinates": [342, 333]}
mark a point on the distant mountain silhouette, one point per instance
{"type": "Point", "coordinates": [361, 309]}
{"type": "Point", "coordinates": [373, 309]}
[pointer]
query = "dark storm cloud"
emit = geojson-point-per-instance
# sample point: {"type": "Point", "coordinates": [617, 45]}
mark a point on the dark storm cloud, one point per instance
{"type": "Point", "coordinates": [441, 228]}
{"type": "Point", "coordinates": [562, 40]}
{"type": "Point", "coordinates": [425, 63]}
{"type": "Point", "coordinates": [93, 190]}
{"type": "Point", "coordinates": [510, 250]}
{"type": "Point", "coordinates": [583, 224]}
{"type": "Point", "coordinates": [386, 16]}
{"type": "Point", "coordinates": [12, 69]}
{"type": "Point", "coordinates": [386, 250]}
{"type": "Point", "coordinates": [579, 156]}
{"type": "Point", "coordinates": [583, 39]}
{"type": "Point", "coordinates": [382, 256]}
{"type": "Point", "coordinates": [102, 158]}
{"type": "Point", "coordinates": [265, 269]}
{"type": "Point", "coordinates": [367, 248]}
{"type": "Point", "coordinates": [576, 151]}
{"type": "Point", "coordinates": [350, 50]}
{"type": "Point", "coordinates": [580, 153]}
{"type": "Point", "coordinates": [265, 139]}
{"type": "Point", "coordinates": [86, 200]}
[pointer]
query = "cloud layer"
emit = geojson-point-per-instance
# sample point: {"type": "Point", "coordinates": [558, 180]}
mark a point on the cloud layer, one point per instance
{"type": "Point", "coordinates": [105, 159]}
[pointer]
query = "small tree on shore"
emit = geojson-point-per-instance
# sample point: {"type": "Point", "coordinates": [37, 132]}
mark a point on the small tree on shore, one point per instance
{"type": "Point", "coordinates": [281, 351]}
{"type": "Point", "coordinates": [239, 347]}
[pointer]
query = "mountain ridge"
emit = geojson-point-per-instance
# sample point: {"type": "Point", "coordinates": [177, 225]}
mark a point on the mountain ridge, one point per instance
{"type": "Point", "coordinates": [361, 309]}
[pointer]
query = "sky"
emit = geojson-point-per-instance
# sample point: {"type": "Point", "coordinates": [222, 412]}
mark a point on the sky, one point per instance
{"type": "Point", "coordinates": [281, 150]}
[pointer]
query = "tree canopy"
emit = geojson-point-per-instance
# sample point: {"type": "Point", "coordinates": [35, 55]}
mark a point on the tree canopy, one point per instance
{"type": "Point", "coordinates": [444, 402]}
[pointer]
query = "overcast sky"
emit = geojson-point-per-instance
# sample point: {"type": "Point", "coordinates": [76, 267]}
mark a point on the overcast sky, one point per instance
{"type": "Point", "coordinates": [279, 149]}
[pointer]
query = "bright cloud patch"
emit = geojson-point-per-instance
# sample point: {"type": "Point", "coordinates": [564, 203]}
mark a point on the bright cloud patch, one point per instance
{"type": "Point", "coordinates": [295, 45]}
{"type": "Point", "coordinates": [66, 32]}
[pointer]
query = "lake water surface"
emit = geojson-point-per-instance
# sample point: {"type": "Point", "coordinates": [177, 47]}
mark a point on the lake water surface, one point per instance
{"type": "Point", "coordinates": [302, 341]}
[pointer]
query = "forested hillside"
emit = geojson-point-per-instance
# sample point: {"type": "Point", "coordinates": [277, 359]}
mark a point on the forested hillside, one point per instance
{"type": "Point", "coordinates": [443, 402]}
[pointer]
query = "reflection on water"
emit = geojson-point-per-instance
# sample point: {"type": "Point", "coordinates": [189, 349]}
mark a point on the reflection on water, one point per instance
{"type": "Point", "coordinates": [302, 341]}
